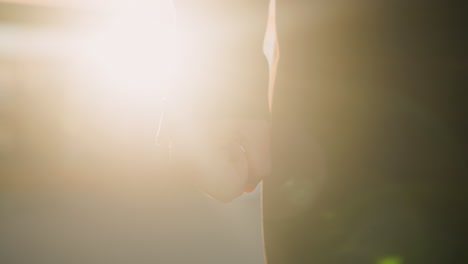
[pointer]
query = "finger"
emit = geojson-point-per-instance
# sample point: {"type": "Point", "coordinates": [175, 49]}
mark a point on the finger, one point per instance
{"type": "Point", "coordinates": [255, 139]}
{"type": "Point", "coordinates": [215, 161]}
{"type": "Point", "coordinates": [225, 174]}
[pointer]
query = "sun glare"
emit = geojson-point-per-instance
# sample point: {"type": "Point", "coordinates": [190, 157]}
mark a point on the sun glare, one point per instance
{"type": "Point", "coordinates": [130, 45]}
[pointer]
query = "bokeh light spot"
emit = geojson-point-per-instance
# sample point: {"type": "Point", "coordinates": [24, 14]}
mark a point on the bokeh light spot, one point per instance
{"type": "Point", "coordinates": [390, 260]}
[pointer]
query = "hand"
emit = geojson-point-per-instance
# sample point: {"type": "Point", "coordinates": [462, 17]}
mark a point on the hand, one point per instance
{"type": "Point", "coordinates": [224, 158]}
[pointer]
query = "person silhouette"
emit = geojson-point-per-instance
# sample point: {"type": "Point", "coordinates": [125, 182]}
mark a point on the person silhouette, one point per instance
{"type": "Point", "coordinates": [368, 134]}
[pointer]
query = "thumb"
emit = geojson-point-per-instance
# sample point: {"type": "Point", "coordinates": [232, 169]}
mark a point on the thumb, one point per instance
{"type": "Point", "coordinates": [255, 136]}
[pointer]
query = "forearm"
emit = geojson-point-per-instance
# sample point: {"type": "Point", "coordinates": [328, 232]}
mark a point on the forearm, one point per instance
{"type": "Point", "coordinates": [271, 49]}
{"type": "Point", "coordinates": [221, 72]}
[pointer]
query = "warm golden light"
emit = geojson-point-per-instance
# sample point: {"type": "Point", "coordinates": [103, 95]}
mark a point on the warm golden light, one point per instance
{"type": "Point", "coordinates": [123, 57]}
{"type": "Point", "coordinates": [128, 46]}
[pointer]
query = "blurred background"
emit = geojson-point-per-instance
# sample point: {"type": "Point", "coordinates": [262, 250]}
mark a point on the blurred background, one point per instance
{"type": "Point", "coordinates": [81, 178]}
